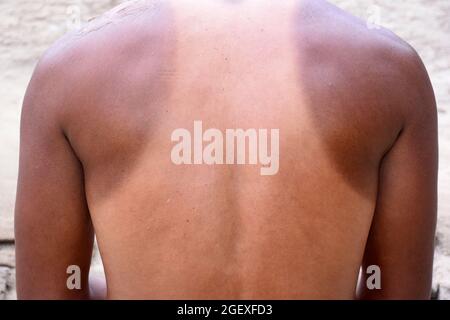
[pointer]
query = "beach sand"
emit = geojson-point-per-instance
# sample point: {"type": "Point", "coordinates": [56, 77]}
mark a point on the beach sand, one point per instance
{"type": "Point", "coordinates": [28, 27]}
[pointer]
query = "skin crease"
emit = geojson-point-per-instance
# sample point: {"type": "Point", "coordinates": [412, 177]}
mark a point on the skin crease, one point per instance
{"type": "Point", "coordinates": [358, 156]}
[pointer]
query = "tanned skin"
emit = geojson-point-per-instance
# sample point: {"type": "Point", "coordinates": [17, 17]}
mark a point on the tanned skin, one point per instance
{"type": "Point", "coordinates": [358, 156]}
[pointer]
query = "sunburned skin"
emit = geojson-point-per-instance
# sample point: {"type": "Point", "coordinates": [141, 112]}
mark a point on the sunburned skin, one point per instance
{"type": "Point", "coordinates": [355, 184]}
{"type": "Point", "coordinates": [125, 10]}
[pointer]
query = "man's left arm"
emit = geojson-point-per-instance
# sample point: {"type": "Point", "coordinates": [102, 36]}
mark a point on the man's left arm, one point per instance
{"type": "Point", "coordinates": [53, 229]}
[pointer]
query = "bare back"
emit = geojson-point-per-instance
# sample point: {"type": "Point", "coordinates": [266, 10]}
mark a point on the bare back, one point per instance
{"type": "Point", "coordinates": [224, 231]}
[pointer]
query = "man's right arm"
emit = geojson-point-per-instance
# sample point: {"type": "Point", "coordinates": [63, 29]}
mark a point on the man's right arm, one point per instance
{"type": "Point", "coordinates": [401, 240]}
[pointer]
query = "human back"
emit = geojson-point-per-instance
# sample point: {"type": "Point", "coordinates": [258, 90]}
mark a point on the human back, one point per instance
{"type": "Point", "coordinates": [310, 76]}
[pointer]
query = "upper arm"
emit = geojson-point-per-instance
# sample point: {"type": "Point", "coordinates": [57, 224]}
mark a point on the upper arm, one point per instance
{"type": "Point", "coordinates": [52, 223]}
{"type": "Point", "coordinates": [401, 240]}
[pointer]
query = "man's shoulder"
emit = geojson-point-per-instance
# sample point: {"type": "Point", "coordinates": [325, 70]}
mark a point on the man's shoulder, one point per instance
{"type": "Point", "coordinates": [106, 42]}
{"type": "Point", "coordinates": [100, 54]}
{"type": "Point", "coordinates": [362, 57]}
{"type": "Point", "coordinates": [338, 34]}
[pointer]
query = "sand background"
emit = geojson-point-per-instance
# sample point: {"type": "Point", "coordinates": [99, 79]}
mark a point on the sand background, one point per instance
{"type": "Point", "coordinates": [28, 27]}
